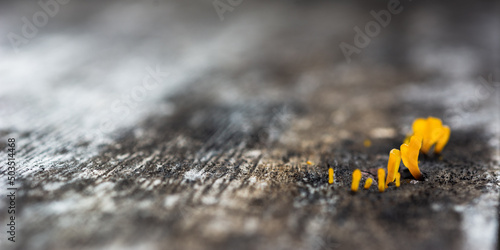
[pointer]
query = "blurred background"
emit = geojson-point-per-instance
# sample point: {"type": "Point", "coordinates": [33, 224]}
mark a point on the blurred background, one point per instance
{"type": "Point", "coordinates": [84, 80]}
{"type": "Point", "coordinates": [73, 60]}
{"type": "Point", "coordinates": [86, 62]}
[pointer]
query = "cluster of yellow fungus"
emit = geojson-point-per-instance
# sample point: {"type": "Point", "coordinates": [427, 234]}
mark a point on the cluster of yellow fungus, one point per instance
{"type": "Point", "coordinates": [433, 132]}
{"type": "Point", "coordinates": [356, 178]}
{"type": "Point", "coordinates": [426, 133]}
{"type": "Point", "coordinates": [409, 154]}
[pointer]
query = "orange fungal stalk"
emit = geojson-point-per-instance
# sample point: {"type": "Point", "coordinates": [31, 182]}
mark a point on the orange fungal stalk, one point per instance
{"type": "Point", "coordinates": [330, 176]}
{"type": "Point", "coordinates": [409, 154]}
{"type": "Point", "coordinates": [393, 166]}
{"type": "Point", "coordinates": [381, 177]}
{"type": "Point", "coordinates": [356, 177]}
{"type": "Point", "coordinates": [368, 183]}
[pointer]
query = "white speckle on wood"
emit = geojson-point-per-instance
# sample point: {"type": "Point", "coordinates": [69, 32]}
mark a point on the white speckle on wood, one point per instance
{"type": "Point", "coordinates": [193, 174]}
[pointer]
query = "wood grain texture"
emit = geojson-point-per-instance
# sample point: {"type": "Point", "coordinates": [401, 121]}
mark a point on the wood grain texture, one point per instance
{"type": "Point", "coordinates": [214, 157]}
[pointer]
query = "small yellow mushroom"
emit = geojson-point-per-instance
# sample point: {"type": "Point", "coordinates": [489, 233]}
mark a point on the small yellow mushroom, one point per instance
{"type": "Point", "coordinates": [368, 183]}
{"type": "Point", "coordinates": [309, 162]}
{"type": "Point", "coordinates": [367, 143]}
{"type": "Point", "coordinates": [409, 155]}
{"type": "Point", "coordinates": [392, 166]}
{"type": "Point", "coordinates": [432, 132]}
{"type": "Point", "coordinates": [330, 176]}
{"type": "Point", "coordinates": [398, 179]}
{"type": "Point", "coordinates": [442, 140]}
{"type": "Point", "coordinates": [381, 177]}
{"type": "Point", "coordinates": [418, 126]}
{"type": "Point", "coordinates": [356, 177]}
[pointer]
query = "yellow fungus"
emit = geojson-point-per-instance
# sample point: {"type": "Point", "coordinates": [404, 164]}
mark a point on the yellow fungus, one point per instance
{"type": "Point", "coordinates": [409, 155]}
{"type": "Point", "coordinates": [432, 131]}
{"type": "Point", "coordinates": [367, 143]}
{"type": "Point", "coordinates": [392, 166]}
{"type": "Point", "coordinates": [309, 162]}
{"type": "Point", "coordinates": [407, 138]}
{"type": "Point", "coordinates": [442, 140]}
{"type": "Point", "coordinates": [381, 177]}
{"type": "Point", "coordinates": [330, 176]}
{"type": "Point", "coordinates": [418, 127]}
{"type": "Point", "coordinates": [368, 183]}
{"type": "Point", "coordinates": [356, 177]}
{"type": "Point", "coordinates": [398, 179]}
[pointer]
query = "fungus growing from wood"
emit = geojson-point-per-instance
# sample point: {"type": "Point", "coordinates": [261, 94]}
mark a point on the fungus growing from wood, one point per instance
{"type": "Point", "coordinates": [398, 179]}
{"type": "Point", "coordinates": [356, 177]}
{"type": "Point", "coordinates": [381, 177]}
{"type": "Point", "coordinates": [442, 140]}
{"type": "Point", "coordinates": [368, 183]}
{"type": "Point", "coordinates": [432, 132]}
{"type": "Point", "coordinates": [330, 176]}
{"type": "Point", "coordinates": [427, 132]}
{"type": "Point", "coordinates": [409, 155]}
{"type": "Point", "coordinates": [392, 166]}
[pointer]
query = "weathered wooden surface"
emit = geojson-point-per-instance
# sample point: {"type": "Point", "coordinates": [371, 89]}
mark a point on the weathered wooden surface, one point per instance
{"type": "Point", "coordinates": [213, 156]}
